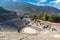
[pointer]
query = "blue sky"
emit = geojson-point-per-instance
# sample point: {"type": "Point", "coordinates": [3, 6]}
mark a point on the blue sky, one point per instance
{"type": "Point", "coordinates": [54, 3]}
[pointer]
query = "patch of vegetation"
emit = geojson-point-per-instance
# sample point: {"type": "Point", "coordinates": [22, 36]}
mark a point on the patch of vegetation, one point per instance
{"type": "Point", "coordinates": [1, 7]}
{"type": "Point", "coordinates": [33, 16]}
{"type": "Point", "coordinates": [45, 17]}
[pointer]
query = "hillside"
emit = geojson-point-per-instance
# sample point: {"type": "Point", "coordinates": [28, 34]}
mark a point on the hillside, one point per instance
{"type": "Point", "coordinates": [23, 7]}
{"type": "Point", "coordinates": [6, 14]}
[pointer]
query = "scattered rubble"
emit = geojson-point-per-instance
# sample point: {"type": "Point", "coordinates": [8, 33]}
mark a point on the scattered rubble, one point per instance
{"type": "Point", "coordinates": [41, 25]}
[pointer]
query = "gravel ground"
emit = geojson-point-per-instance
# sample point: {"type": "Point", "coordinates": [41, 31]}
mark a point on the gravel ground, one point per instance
{"type": "Point", "coordinates": [23, 36]}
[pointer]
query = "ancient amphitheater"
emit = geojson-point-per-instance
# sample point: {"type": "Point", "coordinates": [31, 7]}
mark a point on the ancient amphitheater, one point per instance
{"type": "Point", "coordinates": [28, 30]}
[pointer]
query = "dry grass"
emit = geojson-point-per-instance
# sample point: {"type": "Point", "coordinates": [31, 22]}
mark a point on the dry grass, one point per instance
{"type": "Point", "coordinates": [50, 23]}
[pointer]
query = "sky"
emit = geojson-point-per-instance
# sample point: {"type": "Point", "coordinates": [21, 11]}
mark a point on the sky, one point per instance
{"type": "Point", "coordinates": [54, 3]}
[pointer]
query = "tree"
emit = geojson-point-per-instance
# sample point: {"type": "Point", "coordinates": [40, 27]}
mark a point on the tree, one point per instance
{"type": "Point", "coordinates": [44, 17]}
{"type": "Point", "coordinates": [39, 17]}
{"type": "Point", "coordinates": [57, 18]}
{"type": "Point", "coordinates": [1, 8]}
{"type": "Point", "coordinates": [33, 16]}
{"type": "Point", "coordinates": [52, 18]}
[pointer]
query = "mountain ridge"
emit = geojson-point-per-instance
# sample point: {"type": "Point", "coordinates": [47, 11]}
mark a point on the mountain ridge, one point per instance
{"type": "Point", "coordinates": [23, 7]}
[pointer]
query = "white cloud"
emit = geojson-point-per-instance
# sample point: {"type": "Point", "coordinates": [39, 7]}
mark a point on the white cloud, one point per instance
{"type": "Point", "coordinates": [38, 4]}
{"type": "Point", "coordinates": [14, 0]}
{"type": "Point", "coordinates": [32, 3]}
{"type": "Point", "coordinates": [56, 1]}
{"type": "Point", "coordinates": [42, 0]}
